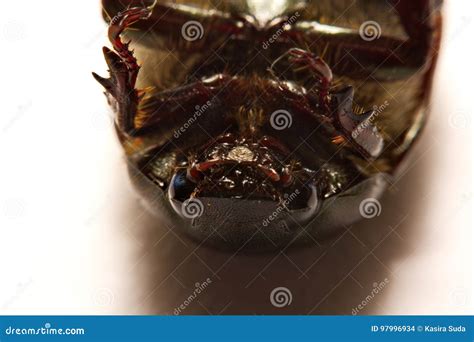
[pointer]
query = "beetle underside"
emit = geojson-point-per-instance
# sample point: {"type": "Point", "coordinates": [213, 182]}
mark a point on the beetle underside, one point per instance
{"type": "Point", "coordinates": [253, 134]}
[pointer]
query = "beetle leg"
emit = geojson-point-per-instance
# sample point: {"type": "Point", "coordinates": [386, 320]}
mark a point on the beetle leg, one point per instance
{"type": "Point", "coordinates": [301, 60]}
{"type": "Point", "coordinates": [120, 93]}
{"type": "Point", "coordinates": [123, 68]}
{"type": "Point", "coordinates": [118, 24]}
{"type": "Point", "coordinates": [164, 108]}
{"type": "Point", "coordinates": [387, 57]}
{"type": "Point", "coordinates": [177, 23]}
{"type": "Point", "coordinates": [318, 68]}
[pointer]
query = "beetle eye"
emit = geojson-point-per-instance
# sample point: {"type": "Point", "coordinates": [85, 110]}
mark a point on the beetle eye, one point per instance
{"type": "Point", "coordinates": [180, 187]}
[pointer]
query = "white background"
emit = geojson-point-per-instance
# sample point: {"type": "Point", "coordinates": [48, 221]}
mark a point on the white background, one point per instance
{"type": "Point", "coordinates": [75, 240]}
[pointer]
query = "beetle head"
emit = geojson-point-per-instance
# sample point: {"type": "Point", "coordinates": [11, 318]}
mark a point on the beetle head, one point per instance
{"type": "Point", "coordinates": [232, 174]}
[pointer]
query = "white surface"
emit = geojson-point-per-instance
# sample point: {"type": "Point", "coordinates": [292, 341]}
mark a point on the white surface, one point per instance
{"type": "Point", "coordinates": [74, 239]}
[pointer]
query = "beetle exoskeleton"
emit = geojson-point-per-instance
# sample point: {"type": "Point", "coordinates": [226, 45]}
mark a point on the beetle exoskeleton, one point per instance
{"type": "Point", "coordinates": [254, 124]}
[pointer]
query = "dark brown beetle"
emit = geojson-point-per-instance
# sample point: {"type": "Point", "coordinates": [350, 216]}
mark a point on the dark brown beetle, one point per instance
{"type": "Point", "coordinates": [258, 123]}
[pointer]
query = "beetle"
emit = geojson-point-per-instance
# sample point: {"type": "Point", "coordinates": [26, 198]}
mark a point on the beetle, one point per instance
{"type": "Point", "coordinates": [255, 124]}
